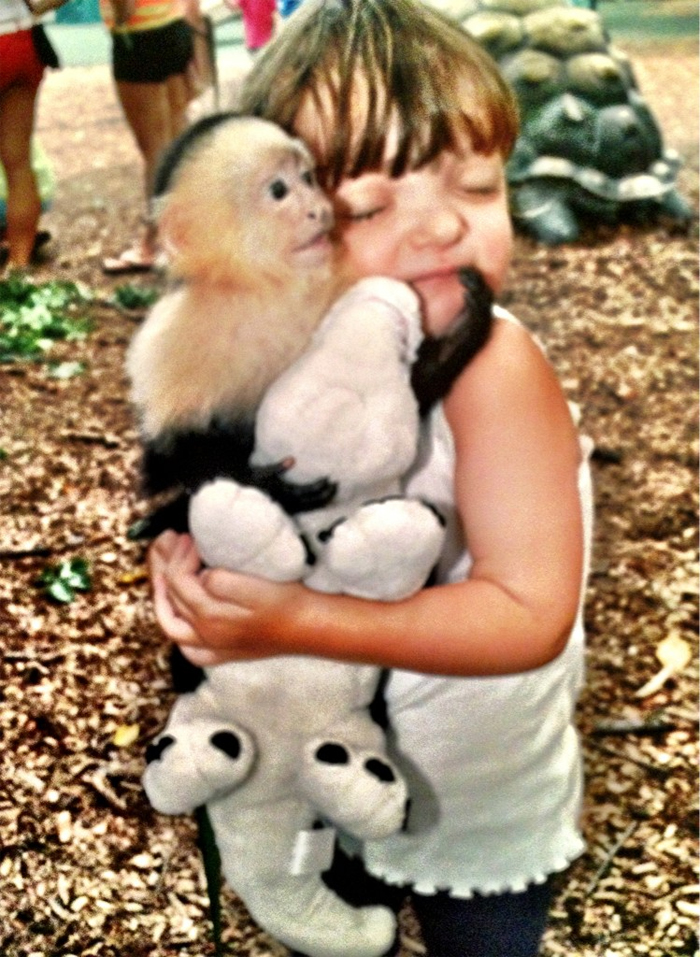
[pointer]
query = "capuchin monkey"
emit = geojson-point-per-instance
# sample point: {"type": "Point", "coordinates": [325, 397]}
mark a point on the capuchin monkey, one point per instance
{"type": "Point", "coordinates": [248, 236]}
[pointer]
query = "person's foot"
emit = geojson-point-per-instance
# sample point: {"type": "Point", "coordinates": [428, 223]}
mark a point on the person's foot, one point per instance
{"type": "Point", "coordinates": [132, 260]}
{"type": "Point", "coordinates": [41, 241]}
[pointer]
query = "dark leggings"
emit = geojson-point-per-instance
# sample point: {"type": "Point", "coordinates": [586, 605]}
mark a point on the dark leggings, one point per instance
{"type": "Point", "coordinates": [492, 925]}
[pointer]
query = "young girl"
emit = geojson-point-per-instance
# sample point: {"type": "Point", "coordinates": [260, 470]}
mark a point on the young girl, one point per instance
{"type": "Point", "coordinates": [411, 125]}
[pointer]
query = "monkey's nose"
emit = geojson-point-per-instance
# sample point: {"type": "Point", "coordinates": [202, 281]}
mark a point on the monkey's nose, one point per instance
{"type": "Point", "coordinates": [323, 213]}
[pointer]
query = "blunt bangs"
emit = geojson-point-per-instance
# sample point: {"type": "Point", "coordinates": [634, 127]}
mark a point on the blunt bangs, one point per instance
{"type": "Point", "coordinates": [381, 85]}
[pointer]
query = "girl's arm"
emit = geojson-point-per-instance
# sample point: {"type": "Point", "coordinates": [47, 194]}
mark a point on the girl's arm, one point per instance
{"type": "Point", "coordinates": [517, 495]}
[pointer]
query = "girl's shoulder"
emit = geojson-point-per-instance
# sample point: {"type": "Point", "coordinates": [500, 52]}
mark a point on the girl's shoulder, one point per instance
{"type": "Point", "coordinates": [510, 381]}
{"type": "Point", "coordinates": [511, 348]}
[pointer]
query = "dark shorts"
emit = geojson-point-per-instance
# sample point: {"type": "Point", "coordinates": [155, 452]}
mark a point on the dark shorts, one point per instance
{"type": "Point", "coordinates": [151, 56]}
{"type": "Point", "coordinates": [19, 63]}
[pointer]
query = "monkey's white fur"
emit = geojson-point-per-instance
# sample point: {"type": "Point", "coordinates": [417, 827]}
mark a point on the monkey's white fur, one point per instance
{"type": "Point", "coordinates": [249, 300]}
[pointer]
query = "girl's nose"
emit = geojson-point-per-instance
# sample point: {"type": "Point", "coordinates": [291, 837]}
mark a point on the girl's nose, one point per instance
{"type": "Point", "coordinates": [440, 226]}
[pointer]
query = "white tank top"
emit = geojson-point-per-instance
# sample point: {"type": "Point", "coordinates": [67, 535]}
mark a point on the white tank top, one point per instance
{"type": "Point", "coordinates": [493, 764]}
{"type": "Point", "coordinates": [14, 15]}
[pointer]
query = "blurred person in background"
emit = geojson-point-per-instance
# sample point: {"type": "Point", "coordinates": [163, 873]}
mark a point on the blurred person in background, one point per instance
{"type": "Point", "coordinates": [24, 55]}
{"type": "Point", "coordinates": [258, 21]}
{"type": "Point", "coordinates": [152, 48]}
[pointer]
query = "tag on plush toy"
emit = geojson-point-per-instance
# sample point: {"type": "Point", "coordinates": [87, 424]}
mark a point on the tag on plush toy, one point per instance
{"type": "Point", "coordinates": [313, 851]}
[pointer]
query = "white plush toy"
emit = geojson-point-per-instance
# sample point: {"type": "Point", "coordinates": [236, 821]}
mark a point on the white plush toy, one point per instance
{"type": "Point", "coordinates": [273, 747]}
{"type": "Point", "coordinates": [344, 409]}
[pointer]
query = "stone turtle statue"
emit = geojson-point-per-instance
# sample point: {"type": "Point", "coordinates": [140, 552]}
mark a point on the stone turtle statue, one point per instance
{"type": "Point", "coordinates": [589, 147]}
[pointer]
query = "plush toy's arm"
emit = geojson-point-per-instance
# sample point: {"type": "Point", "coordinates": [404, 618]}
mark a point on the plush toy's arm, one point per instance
{"type": "Point", "coordinates": [440, 360]}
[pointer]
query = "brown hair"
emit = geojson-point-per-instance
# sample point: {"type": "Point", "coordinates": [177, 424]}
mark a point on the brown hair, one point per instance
{"type": "Point", "coordinates": [418, 73]}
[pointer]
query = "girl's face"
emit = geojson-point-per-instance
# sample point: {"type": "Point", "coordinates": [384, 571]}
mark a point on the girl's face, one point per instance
{"type": "Point", "coordinates": [423, 226]}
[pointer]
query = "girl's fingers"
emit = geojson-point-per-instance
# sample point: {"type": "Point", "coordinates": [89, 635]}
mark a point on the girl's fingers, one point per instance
{"type": "Point", "coordinates": [172, 623]}
{"type": "Point", "coordinates": [231, 587]}
{"type": "Point", "coordinates": [202, 657]}
{"type": "Point", "coordinates": [160, 552]}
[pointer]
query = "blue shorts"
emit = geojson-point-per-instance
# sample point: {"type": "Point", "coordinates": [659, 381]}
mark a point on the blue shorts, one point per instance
{"type": "Point", "coordinates": [151, 56]}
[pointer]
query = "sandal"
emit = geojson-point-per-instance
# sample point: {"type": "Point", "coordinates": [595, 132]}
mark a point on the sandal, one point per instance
{"type": "Point", "coordinates": [130, 261]}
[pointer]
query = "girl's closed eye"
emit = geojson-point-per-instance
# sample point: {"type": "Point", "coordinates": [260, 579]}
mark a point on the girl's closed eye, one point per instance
{"type": "Point", "coordinates": [487, 187]}
{"type": "Point", "coordinates": [362, 215]}
{"type": "Point", "coordinates": [490, 189]}
{"type": "Point", "coordinates": [361, 200]}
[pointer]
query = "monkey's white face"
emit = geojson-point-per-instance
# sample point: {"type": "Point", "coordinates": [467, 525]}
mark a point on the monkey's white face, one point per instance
{"type": "Point", "coordinates": [295, 210]}
{"type": "Point", "coordinates": [247, 204]}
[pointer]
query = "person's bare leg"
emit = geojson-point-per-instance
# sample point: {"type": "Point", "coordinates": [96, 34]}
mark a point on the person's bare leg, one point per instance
{"type": "Point", "coordinates": [178, 98]}
{"type": "Point", "coordinates": [17, 107]}
{"type": "Point", "coordinates": [148, 112]}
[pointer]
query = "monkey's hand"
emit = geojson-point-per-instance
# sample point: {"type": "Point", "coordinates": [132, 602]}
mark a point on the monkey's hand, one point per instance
{"type": "Point", "coordinates": [441, 359]}
{"type": "Point", "coordinates": [294, 498]}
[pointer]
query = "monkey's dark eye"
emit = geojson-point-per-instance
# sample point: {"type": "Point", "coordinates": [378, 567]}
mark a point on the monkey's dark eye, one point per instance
{"type": "Point", "coordinates": [308, 177]}
{"type": "Point", "coordinates": [278, 189]}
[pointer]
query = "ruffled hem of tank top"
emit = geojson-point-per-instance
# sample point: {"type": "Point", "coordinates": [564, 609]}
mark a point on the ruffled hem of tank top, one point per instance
{"type": "Point", "coordinates": [483, 888]}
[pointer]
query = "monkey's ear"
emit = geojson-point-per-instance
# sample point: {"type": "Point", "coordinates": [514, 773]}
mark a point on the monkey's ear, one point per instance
{"type": "Point", "coordinates": [175, 230]}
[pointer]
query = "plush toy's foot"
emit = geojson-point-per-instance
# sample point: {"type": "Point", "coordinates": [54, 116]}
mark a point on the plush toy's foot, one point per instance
{"type": "Point", "coordinates": [360, 791]}
{"type": "Point", "coordinates": [239, 528]}
{"type": "Point", "coordinates": [312, 920]}
{"type": "Point", "coordinates": [383, 551]}
{"type": "Point", "coordinates": [393, 951]}
{"type": "Point", "coordinates": [190, 764]}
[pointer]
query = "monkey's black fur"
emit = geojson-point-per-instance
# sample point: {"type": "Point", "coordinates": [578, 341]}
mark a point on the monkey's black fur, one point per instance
{"type": "Point", "coordinates": [173, 156]}
{"type": "Point", "coordinates": [441, 359]}
{"type": "Point", "coordinates": [187, 460]}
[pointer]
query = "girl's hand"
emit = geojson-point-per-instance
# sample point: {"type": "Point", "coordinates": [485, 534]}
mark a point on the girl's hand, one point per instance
{"type": "Point", "coordinates": [166, 551]}
{"type": "Point", "coordinates": [214, 615]}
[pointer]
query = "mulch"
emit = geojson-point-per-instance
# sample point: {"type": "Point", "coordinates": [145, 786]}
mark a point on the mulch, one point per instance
{"type": "Point", "coordinates": [86, 867]}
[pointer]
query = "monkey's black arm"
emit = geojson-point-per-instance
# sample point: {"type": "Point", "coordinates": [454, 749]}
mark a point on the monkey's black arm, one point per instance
{"type": "Point", "coordinates": [181, 462]}
{"type": "Point", "coordinates": [441, 359]}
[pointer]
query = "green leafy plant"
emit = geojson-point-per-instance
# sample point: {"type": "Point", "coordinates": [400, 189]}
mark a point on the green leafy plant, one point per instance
{"type": "Point", "coordinates": [63, 580]}
{"type": "Point", "coordinates": [134, 297]}
{"type": "Point", "coordinates": [34, 316]}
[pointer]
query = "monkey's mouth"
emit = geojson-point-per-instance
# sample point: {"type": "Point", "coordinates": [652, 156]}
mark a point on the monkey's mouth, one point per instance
{"type": "Point", "coordinates": [319, 244]}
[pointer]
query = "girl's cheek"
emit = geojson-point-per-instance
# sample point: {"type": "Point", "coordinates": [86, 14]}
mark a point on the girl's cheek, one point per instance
{"type": "Point", "coordinates": [365, 255]}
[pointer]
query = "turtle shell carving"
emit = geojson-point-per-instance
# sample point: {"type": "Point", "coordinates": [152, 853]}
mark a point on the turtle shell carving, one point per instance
{"type": "Point", "coordinates": [589, 147]}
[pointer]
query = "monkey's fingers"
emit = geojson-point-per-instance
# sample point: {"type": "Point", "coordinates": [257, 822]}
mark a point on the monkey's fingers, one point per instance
{"type": "Point", "coordinates": [261, 475]}
{"type": "Point", "coordinates": [302, 498]}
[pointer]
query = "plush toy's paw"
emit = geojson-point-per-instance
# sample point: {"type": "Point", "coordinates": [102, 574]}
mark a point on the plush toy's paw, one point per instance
{"type": "Point", "coordinates": [383, 551]}
{"type": "Point", "coordinates": [359, 790]}
{"type": "Point", "coordinates": [239, 528]}
{"type": "Point", "coordinates": [310, 919]}
{"type": "Point", "coordinates": [195, 763]}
